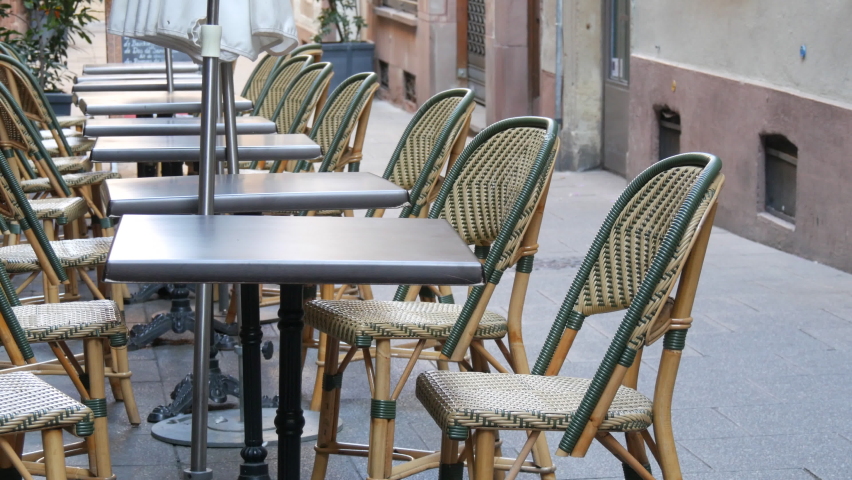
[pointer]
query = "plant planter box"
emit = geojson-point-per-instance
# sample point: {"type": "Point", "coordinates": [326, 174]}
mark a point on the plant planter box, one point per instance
{"type": "Point", "coordinates": [348, 59]}
{"type": "Point", "coordinates": [60, 102]}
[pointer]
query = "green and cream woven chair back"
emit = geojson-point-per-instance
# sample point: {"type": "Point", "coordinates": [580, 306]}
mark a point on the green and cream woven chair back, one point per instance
{"type": "Point", "coordinates": [301, 98]}
{"type": "Point", "coordinates": [426, 143]}
{"type": "Point", "coordinates": [633, 264]}
{"type": "Point", "coordinates": [26, 92]}
{"type": "Point", "coordinates": [257, 78]}
{"type": "Point", "coordinates": [336, 121]}
{"type": "Point", "coordinates": [489, 197]}
{"type": "Point", "coordinates": [312, 49]}
{"type": "Point", "coordinates": [277, 83]}
{"type": "Point", "coordinates": [26, 137]}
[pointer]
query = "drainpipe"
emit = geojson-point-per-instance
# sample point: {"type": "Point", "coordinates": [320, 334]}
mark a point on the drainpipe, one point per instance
{"type": "Point", "coordinates": [558, 82]}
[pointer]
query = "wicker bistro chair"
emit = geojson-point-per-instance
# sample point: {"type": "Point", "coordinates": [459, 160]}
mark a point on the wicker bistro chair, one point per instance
{"type": "Point", "coordinates": [277, 83]}
{"type": "Point", "coordinates": [94, 323]}
{"type": "Point", "coordinates": [28, 404]}
{"type": "Point", "coordinates": [655, 235]}
{"type": "Point", "coordinates": [435, 135]}
{"type": "Point", "coordinates": [26, 92]}
{"type": "Point", "coordinates": [312, 49]}
{"type": "Point", "coordinates": [514, 158]}
{"type": "Point", "coordinates": [19, 136]}
{"type": "Point", "coordinates": [257, 78]}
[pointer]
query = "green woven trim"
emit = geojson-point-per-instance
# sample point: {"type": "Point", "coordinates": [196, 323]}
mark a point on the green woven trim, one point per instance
{"type": "Point", "coordinates": [84, 428]}
{"type": "Point", "coordinates": [29, 168]}
{"type": "Point", "coordinates": [495, 277]}
{"type": "Point", "coordinates": [63, 220]}
{"type": "Point", "coordinates": [8, 287]}
{"type": "Point", "coordinates": [14, 229]}
{"type": "Point", "coordinates": [301, 49]}
{"type": "Point", "coordinates": [458, 432]}
{"type": "Point", "coordinates": [363, 341]}
{"type": "Point", "coordinates": [711, 168]}
{"type": "Point", "coordinates": [385, 409]}
{"type": "Point", "coordinates": [627, 357]}
{"type": "Point", "coordinates": [401, 293]}
{"type": "Point", "coordinates": [481, 251]}
{"type": "Point", "coordinates": [525, 264]}
{"type": "Point", "coordinates": [446, 299]}
{"type": "Point", "coordinates": [332, 382]}
{"type": "Point", "coordinates": [105, 222]}
{"type": "Point", "coordinates": [118, 340]}
{"type": "Point", "coordinates": [367, 79]}
{"type": "Point", "coordinates": [97, 405]}
{"type": "Point", "coordinates": [674, 340]}
{"type": "Point", "coordinates": [451, 471]}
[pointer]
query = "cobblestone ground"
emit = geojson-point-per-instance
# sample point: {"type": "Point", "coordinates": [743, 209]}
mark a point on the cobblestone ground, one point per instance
{"type": "Point", "coordinates": [763, 390]}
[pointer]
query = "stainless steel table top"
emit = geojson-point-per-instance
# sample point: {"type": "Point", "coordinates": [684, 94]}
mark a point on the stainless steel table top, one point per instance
{"type": "Point", "coordinates": [252, 249]}
{"type": "Point", "coordinates": [187, 148]}
{"type": "Point", "coordinates": [253, 193]}
{"type": "Point", "coordinates": [120, 68]}
{"type": "Point", "coordinates": [120, 127]}
{"type": "Point", "coordinates": [145, 103]}
{"type": "Point", "coordinates": [154, 85]}
{"type": "Point", "coordinates": [134, 76]}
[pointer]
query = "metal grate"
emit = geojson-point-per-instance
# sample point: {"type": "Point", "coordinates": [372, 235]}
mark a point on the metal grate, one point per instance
{"type": "Point", "coordinates": [780, 162]}
{"type": "Point", "coordinates": [407, 6]}
{"type": "Point", "coordinates": [476, 30]}
{"type": "Point", "coordinates": [410, 87]}
{"type": "Point", "coordinates": [384, 76]}
{"type": "Point", "coordinates": [669, 133]}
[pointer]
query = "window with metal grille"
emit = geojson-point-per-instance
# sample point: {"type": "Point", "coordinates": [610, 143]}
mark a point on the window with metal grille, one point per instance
{"type": "Point", "coordinates": [669, 133]}
{"type": "Point", "coordinates": [384, 75]}
{"type": "Point", "coordinates": [410, 87]}
{"type": "Point", "coordinates": [781, 157]}
{"type": "Point", "coordinates": [407, 6]}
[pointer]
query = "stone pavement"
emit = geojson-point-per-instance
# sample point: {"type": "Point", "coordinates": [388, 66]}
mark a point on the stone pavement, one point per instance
{"type": "Point", "coordinates": [763, 391]}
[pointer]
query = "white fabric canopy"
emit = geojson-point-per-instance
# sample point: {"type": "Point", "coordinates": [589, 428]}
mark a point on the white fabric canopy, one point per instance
{"type": "Point", "coordinates": [249, 27]}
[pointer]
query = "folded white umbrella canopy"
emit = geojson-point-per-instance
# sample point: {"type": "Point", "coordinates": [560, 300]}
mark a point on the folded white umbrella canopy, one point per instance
{"type": "Point", "coordinates": [248, 27]}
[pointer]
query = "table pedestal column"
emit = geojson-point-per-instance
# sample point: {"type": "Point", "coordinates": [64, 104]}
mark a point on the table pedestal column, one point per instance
{"type": "Point", "coordinates": [289, 418]}
{"type": "Point", "coordinates": [254, 467]}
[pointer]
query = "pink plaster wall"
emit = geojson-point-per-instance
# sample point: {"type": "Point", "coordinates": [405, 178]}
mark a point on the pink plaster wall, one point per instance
{"type": "Point", "coordinates": [726, 117]}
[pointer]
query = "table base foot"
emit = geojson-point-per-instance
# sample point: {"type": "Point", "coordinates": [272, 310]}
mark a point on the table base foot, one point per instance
{"type": "Point", "coordinates": [221, 386]}
{"type": "Point", "coordinates": [205, 475]}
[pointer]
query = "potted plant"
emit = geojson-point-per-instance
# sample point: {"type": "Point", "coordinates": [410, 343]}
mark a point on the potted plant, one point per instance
{"type": "Point", "coordinates": [51, 28]}
{"type": "Point", "coordinates": [341, 24]}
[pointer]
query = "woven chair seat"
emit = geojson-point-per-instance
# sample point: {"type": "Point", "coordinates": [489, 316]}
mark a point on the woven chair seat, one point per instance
{"type": "Point", "coordinates": [52, 322]}
{"type": "Point", "coordinates": [78, 145]}
{"type": "Point", "coordinates": [69, 164]}
{"type": "Point", "coordinates": [27, 403]}
{"type": "Point", "coordinates": [80, 252]}
{"type": "Point", "coordinates": [507, 401]}
{"type": "Point", "coordinates": [82, 179]}
{"type": "Point", "coordinates": [69, 209]}
{"type": "Point", "coordinates": [66, 121]}
{"type": "Point", "coordinates": [352, 321]}
{"type": "Point", "coordinates": [68, 132]}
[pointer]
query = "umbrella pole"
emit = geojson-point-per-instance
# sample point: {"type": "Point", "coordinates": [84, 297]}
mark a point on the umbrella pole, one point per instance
{"type": "Point", "coordinates": [170, 76]}
{"type": "Point", "coordinates": [211, 35]}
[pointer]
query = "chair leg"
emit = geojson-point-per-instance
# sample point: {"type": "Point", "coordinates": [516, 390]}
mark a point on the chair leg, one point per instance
{"type": "Point", "coordinates": [97, 391]}
{"type": "Point", "coordinates": [483, 468]}
{"type": "Point", "coordinates": [54, 454]}
{"type": "Point", "coordinates": [542, 458]}
{"type": "Point", "coordinates": [381, 424]}
{"type": "Point", "coordinates": [636, 447]}
{"type": "Point", "coordinates": [329, 410]}
{"type": "Point", "coordinates": [316, 397]}
{"type": "Point", "coordinates": [123, 366]}
{"type": "Point", "coordinates": [451, 468]}
{"type": "Point", "coordinates": [114, 382]}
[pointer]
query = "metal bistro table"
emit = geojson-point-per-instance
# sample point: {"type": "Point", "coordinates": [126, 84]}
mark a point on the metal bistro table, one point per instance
{"type": "Point", "coordinates": [133, 76]}
{"type": "Point", "coordinates": [223, 249]}
{"type": "Point", "coordinates": [153, 67]}
{"type": "Point", "coordinates": [186, 148]}
{"type": "Point", "coordinates": [153, 85]}
{"type": "Point", "coordinates": [120, 127]}
{"type": "Point", "coordinates": [146, 103]}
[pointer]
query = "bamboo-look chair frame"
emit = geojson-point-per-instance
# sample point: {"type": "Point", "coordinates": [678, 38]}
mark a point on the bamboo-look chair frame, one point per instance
{"type": "Point", "coordinates": [277, 83]}
{"type": "Point", "coordinates": [25, 91]}
{"type": "Point", "coordinates": [510, 239]}
{"type": "Point", "coordinates": [19, 135]}
{"type": "Point", "coordinates": [304, 96]}
{"type": "Point", "coordinates": [670, 245]}
{"type": "Point", "coordinates": [447, 116]}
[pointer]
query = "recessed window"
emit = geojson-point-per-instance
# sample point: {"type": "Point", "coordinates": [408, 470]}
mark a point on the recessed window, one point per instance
{"type": "Point", "coordinates": [383, 74]}
{"type": "Point", "coordinates": [410, 87]}
{"type": "Point", "coordinates": [407, 6]}
{"type": "Point", "coordinates": [781, 157]}
{"type": "Point", "coordinates": [669, 123]}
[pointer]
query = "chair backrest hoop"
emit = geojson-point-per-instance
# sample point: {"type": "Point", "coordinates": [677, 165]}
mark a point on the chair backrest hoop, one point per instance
{"type": "Point", "coordinates": [310, 98]}
{"type": "Point", "coordinates": [257, 77]}
{"type": "Point", "coordinates": [277, 82]}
